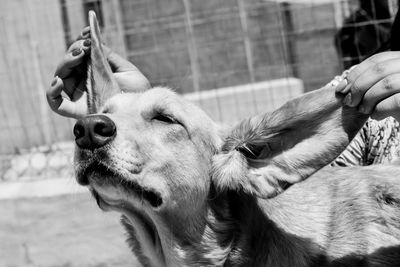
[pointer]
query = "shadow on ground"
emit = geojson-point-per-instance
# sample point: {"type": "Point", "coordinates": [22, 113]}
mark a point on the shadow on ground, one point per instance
{"type": "Point", "coordinates": [65, 231]}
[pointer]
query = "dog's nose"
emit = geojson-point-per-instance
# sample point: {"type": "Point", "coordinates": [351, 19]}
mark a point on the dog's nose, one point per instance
{"type": "Point", "coordinates": [94, 131]}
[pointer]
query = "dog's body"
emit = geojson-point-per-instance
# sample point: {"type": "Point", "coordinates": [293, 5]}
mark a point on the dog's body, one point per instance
{"type": "Point", "coordinates": [331, 219]}
{"type": "Point", "coordinates": [337, 221]}
{"type": "Point", "coordinates": [192, 195]}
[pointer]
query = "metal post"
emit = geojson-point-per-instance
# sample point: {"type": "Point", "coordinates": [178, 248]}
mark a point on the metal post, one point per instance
{"type": "Point", "coordinates": [288, 29]}
{"type": "Point", "coordinates": [247, 42]}
{"type": "Point", "coordinates": [193, 55]}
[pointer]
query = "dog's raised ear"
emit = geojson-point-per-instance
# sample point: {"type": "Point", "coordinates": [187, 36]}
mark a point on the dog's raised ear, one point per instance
{"type": "Point", "coordinates": [266, 154]}
{"type": "Point", "coordinates": [101, 83]}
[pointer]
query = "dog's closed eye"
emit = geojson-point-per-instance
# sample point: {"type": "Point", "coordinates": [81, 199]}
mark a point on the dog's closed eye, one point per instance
{"type": "Point", "coordinates": [164, 118]}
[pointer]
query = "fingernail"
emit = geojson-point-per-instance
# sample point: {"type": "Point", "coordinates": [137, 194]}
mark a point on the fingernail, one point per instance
{"type": "Point", "coordinates": [346, 89]}
{"type": "Point", "coordinates": [87, 42]}
{"type": "Point", "coordinates": [347, 99]}
{"type": "Point", "coordinates": [341, 86]}
{"type": "Point", "coordinates": [54, 81]}
{"type": "Point", "coordinates": [76, 52]}
{"type": "Point", "coordinates": [85, 30]}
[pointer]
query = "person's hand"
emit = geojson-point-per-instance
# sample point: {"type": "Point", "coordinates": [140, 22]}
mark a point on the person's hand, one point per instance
{"type": "Point", "coordinates": [67, 96]}
{"type": "Point", "coordinates": [373, 86]}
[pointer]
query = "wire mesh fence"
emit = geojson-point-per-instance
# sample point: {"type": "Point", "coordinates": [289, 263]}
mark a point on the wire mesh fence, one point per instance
{"type": "Point", "coordinates": [234, 58]}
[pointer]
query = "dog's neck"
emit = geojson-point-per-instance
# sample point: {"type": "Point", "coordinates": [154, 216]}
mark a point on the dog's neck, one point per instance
{"type": "Point", "coordinates": [204, 238]}
{"type": "Point", "coordinates": [230, 230]}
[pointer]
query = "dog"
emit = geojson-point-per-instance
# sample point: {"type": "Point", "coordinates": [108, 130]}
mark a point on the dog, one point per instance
{"type": "Point", "coordinates": [260, 194]}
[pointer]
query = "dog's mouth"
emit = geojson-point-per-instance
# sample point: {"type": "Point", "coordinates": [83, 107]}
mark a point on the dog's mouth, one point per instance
{"type": "Point", "coordinates": [104, 176]}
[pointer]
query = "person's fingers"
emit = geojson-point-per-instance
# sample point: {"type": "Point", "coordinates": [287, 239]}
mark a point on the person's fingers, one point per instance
{"type": "Point", "coordinates": [70, 61]}
{"type": "Point", "coordinates": [74, 57]}
{"type": "Point", "coordinates": [75, 46]}
{"type": "Point", "coordinates": [118, 63]}
{"type": "Point", "coordinates": [132, 81]}
{"type": "Point", "coordinates": [86, 45]}
{"type": "Point", "coordinates": [53, 94]}
{"type": "Point", "coordinates": [341, 86]}
{"type": "Point", "coordinates": [128, 76]}
{"type": "Point", "coordinates": [64, 106]}
{"type": "Point", "coordinates": [385, 88]}
{"type": "Point", "coordinates": [366, 64]}
{"type": "Point", "coordinates": [85, 33]}
{"type": "Point", "coordinates": [387, 107]}
{"type": "Point", "coordinates": [370, 77]}
{"type": "Point", "coordinates": [345, 86]}
{"type": "Point", "coordinates": [83, 44]}
{"type": "Point", "coordinates": [74, 109]}
{"type": "Point", "coordinates": [71, 83]}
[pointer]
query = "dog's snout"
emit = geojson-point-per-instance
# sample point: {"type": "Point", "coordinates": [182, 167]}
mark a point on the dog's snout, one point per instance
{"type": "Point", "coordinates": [94, 131]}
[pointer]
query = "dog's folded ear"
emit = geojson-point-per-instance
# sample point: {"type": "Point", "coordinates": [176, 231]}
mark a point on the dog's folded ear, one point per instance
{"type": "Point", "coordinates": [266, 154]}
{"type": "Point", "coordinates": [101, 83]}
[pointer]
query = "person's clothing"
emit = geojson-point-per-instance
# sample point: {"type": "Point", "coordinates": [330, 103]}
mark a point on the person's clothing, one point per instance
{"type": "Point", "coordinates": [377, 142]}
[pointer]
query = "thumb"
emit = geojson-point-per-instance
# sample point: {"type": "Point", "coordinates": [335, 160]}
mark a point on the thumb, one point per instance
{"type": "Point", "coordinates": [118, 63]}
{"type": "Point", "coordinates": [388, 107]}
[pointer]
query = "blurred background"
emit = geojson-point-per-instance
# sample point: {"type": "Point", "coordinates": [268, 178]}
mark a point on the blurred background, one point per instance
{"type": "Point", "coordinates": [234, 58]}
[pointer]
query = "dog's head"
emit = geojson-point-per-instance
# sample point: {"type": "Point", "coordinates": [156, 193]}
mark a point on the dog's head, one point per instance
{"type": "Point", "coordinates": [149, 150]}
{"type": "Point", "coordinates": [152, 149]}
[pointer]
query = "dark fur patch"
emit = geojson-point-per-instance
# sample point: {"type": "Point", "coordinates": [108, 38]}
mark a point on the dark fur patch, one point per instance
{"type": "Point", "coordinates": [385, 196]}
{"type": "Point", "coordinates": [133, 242]}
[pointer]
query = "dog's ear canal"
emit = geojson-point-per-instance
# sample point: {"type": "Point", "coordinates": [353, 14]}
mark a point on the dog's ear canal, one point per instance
{"type": "Point", "coordinates": [265, 154]}
{"type": "Point", "coordinates": [101, 83]}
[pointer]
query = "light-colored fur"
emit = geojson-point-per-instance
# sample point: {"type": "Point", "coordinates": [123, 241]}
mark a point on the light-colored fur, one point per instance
{"type": "Point", "coordinates": [259, 195]}
{"type": "Point", "coordinates": [334, 214]}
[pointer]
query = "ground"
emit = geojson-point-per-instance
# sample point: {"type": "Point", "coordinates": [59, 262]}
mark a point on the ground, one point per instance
{"type": "Point", "coordinates": [65, 231]}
